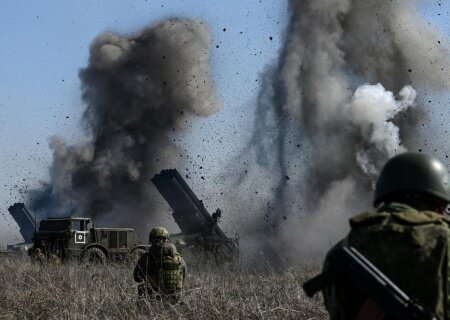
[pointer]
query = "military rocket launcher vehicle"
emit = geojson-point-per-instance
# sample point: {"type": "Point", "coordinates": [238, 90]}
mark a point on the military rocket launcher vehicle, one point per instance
{"type": "Point", "coordinates": [64, 238]}
{"type": "Point", "coordinates": [199, 229]}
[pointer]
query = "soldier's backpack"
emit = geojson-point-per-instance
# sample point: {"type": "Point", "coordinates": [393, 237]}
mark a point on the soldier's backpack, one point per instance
{"type": "Point", "coordinates": [171, 274]}
{"type": "Point", "coordinates": [168, 269]}
{"type": "Point", "coordinates": [411, 248]}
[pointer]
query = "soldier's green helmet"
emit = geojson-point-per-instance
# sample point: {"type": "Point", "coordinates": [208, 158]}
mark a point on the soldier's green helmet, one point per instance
{"type": "Point", "coordinates": [413, 172]}
{"type": "Point", "coordinates": [159, 234]}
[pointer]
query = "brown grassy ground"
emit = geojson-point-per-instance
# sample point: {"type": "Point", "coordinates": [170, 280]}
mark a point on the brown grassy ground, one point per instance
{"type": "Point", "coordinates": [71, 291]}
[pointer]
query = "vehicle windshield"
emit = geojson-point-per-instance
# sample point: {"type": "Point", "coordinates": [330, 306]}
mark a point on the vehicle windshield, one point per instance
{"type": "Point", "coordinates": [54, 225]}
{"type": "Point", "coordinates": [80, 225]}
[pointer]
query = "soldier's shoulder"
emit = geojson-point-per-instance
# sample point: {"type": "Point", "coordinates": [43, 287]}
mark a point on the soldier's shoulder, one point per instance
{"type": "Point", "coordinates": [437, 217]}
{"type": "Point", "coordinates": [367, 217]}
{"type": "Point", "coordinates": [406, 216]}
{"type": "Point", "coordinates": [421, 218]}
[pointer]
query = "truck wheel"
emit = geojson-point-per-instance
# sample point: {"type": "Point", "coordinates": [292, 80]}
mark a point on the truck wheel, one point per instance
{"type": "Point", "coordinates": [93, 255]}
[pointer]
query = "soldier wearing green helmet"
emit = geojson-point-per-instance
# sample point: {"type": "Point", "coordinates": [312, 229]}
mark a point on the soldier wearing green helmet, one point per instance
{"type": "Point", "coordinates": [158, 235]}
{"type": "Point", "coordinates": [413, 175]}
{"type": "Point", "coordinates": [407, 238]}
{"type": "Point", "coordinates": [161, 271]}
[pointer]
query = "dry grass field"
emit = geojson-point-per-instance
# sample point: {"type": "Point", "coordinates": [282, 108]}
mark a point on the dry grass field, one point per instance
{"type": "Point", "coordinates": [71, 291]}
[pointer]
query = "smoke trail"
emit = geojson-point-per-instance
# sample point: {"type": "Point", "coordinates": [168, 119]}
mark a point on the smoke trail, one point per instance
{"type": "Point", "coordinates": [140, 90]}
{"type": "Point", "coordinates": [342, 101]}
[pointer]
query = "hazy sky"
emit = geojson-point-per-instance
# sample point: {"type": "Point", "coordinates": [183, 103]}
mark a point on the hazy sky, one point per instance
{"type": "Point", "coordinates": [45, 43]}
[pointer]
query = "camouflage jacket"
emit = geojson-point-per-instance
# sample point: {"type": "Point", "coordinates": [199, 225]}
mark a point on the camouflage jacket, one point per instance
{"type": "Point", "coordinates": [161, 267]}
{"type": "Point", "coordinates": [410, 247]}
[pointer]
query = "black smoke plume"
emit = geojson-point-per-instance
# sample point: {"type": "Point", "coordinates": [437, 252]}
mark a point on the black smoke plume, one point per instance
{"type": "Point", "coordinates": [140, 90]}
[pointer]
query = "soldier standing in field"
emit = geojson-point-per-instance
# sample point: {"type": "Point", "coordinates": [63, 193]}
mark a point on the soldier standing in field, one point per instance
{"type": "Point", "coordinates": [407, 238]}
{"type": "Point", "coordinates": [161, 271]}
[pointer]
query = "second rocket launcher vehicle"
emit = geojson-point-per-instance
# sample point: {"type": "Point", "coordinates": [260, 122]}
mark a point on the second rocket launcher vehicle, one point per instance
{"type": "Point", "coordinates": [199, 229]}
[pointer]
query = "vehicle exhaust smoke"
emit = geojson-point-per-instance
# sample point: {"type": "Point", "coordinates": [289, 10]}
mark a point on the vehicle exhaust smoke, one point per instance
{"type": "Point", "coordinates": [141, 90]}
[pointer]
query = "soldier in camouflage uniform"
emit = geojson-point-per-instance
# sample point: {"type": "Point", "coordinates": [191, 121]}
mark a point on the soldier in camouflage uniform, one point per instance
{"type": "Point", "coordinates": [407, 238]}
{"type": "Point", "coordinates": [161, 271]}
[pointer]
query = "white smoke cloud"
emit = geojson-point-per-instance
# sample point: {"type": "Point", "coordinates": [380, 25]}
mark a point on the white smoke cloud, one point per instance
{"type": "Point", "coordinates": [372, 110]}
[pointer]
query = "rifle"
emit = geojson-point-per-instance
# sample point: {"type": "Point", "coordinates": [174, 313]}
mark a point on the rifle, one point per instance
{"type": "Point", "coordinates": [349, 264]}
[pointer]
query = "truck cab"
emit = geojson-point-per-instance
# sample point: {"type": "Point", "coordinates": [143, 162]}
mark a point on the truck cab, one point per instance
{"type": "Point", "coordinates": [63, 237]}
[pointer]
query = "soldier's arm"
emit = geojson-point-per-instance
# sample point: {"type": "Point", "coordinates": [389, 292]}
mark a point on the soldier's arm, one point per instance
{"type": "Point", "coordinates": [140, 269]}
{"type": "Point", "coordinates": [330, 295]}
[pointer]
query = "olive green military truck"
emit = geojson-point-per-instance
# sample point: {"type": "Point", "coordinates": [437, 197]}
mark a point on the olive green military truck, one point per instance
{"type": "Point", "coordinates": [65, 238]}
